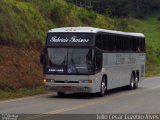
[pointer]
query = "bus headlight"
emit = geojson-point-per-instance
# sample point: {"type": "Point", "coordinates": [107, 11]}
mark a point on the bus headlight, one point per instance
{"type": "Point", "coordinates": [44, 80]}
{"type": "Point", "coordinates": [86, 81]}
{"type": "Point", "coordinates": [48, 80]}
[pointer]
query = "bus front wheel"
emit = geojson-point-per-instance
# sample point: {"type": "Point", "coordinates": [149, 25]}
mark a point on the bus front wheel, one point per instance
{"type": "Point", "coordinates": [103, 88]}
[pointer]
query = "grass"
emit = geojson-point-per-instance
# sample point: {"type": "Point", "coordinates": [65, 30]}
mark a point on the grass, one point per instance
{"type": "Point", "coordinates": [4, 95]}
{"type": "Point", "coordinates": [21, 23]}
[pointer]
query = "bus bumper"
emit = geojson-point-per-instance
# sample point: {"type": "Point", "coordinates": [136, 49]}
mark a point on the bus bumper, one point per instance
{"type": "Point", "coordinates": [85, 88]}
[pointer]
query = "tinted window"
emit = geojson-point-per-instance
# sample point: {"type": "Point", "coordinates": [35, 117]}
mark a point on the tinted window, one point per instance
{"type": "Point", "coordinates": [79, 61]}
{"type": "Point", "coordinates": [108, 41]}
{"type": "Point", "coordinates": [120, 43]}
{"type": "Point", "coordinates": [99, 41]}
{"type": "Point", "coordinates": [57, 57]}
{"type": "Point", "coordinates": [69, 61]}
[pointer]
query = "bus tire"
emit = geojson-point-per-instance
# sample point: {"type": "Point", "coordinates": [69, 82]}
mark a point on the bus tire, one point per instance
{"type": "Point", "coordinates": [132, 81]}
{"type": "Point", "coordinates": [103, 88]}
{"type": "Point", "coordinates": [136, 82]}
{"type": "Point", "coordinates": [61, 94]}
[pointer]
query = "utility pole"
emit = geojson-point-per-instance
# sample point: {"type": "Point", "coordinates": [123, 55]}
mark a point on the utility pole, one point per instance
{"type": "Point", "coordinates": [88, 4]}
{"type": "Point", "coordinates": [84, 3]}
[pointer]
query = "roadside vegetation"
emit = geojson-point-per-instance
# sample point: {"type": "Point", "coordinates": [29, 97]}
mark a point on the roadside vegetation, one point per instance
{"type": "Point", "coordinates": [22, 92]}
{"type": "Point", "coordinates": [23, 28]}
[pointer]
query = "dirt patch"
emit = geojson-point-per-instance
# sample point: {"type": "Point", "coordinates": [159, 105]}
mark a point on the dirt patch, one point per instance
{"type": "Point", "coordinates": [19, 68]}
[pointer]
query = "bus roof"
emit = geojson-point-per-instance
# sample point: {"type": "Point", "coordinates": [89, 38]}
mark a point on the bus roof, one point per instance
{"type": "Point", "coordinates": [92, 30]}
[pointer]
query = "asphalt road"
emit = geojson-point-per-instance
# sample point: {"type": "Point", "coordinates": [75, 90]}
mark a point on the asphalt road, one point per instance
{"type": "Point", "coordinates": [145, 99]}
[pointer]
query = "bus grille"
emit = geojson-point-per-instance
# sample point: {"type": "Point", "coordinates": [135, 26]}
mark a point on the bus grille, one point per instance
{"type": "Point", "coordinates": [66, 81]}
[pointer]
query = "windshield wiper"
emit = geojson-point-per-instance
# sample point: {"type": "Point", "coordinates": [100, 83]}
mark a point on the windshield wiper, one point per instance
{"type": "Point", "coordinates": [64, 61]}
{"type": "Point", "coordinates": [74, 65]}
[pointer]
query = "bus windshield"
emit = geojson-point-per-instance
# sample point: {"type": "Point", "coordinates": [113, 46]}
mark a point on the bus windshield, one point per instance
{"type": "Point", "coordinates": [69, 61]}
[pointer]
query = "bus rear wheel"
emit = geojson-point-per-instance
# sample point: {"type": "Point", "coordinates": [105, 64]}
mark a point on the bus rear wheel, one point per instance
{"type": "Point", "coordinates": [61, 94]}
{"type": "Point", "coordinates": [103, 88]}
{"type": "Point", "coordinates": [132, 82]}
{"type": "Point", "coordinates": [136, 82]}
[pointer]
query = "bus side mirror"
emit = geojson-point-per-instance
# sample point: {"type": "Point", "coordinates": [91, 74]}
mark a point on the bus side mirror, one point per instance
{"type": "Point", "coordinates": [41, 58]}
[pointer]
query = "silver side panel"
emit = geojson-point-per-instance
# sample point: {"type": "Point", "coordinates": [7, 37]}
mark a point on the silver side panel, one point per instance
{"type": "Point", "coordinates": [119, 66]}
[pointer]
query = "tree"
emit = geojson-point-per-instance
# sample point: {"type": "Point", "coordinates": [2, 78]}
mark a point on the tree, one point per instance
{"type": "Point", "coordinates": [122, 8]}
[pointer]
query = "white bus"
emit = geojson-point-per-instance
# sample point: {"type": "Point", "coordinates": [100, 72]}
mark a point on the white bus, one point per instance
{"type": "Point", "coordinates": [92, 60]}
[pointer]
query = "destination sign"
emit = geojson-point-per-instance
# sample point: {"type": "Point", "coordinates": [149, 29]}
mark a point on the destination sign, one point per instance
{"type": "Point", "coordinates": [69, 39]}
{"type": "Point", "coordinates": [72, 39]}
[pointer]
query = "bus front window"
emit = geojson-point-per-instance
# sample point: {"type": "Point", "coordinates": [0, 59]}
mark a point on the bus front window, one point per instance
{"type": "Point", "coordinates": [57, 57]}
{"type": "Point", "coordinates": [69, 60]}
{"type": "Point", "coordinates": [79, 61]}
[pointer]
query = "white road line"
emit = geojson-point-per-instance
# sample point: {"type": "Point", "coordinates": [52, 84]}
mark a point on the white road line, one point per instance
{"type": "Point", "coordinates": [24, 98]}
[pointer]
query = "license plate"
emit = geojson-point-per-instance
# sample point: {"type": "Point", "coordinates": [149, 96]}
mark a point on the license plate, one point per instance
{"type": "Point", "coordinates": [66, 87]}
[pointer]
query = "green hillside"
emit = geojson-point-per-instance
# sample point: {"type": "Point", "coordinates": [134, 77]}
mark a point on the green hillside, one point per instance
{"type": "Point", "coordinates": [23, 27]}
{"type": "Point", "coordinates": [25, 23]}
{"type": "Point", "coordinates": [21, 23]}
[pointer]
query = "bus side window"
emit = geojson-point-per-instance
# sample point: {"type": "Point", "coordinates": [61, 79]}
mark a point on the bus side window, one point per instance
{"type": "Point", "coordinates": [139, 45]}
{"type": "Point", "coordinates": [99, 41]}
{"type": "Point", "coordinates": [143, 44]}
{"type": "Point", "coordinates": [106, 42]}
{"type": "Point", "coordinates": [98, 62]}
